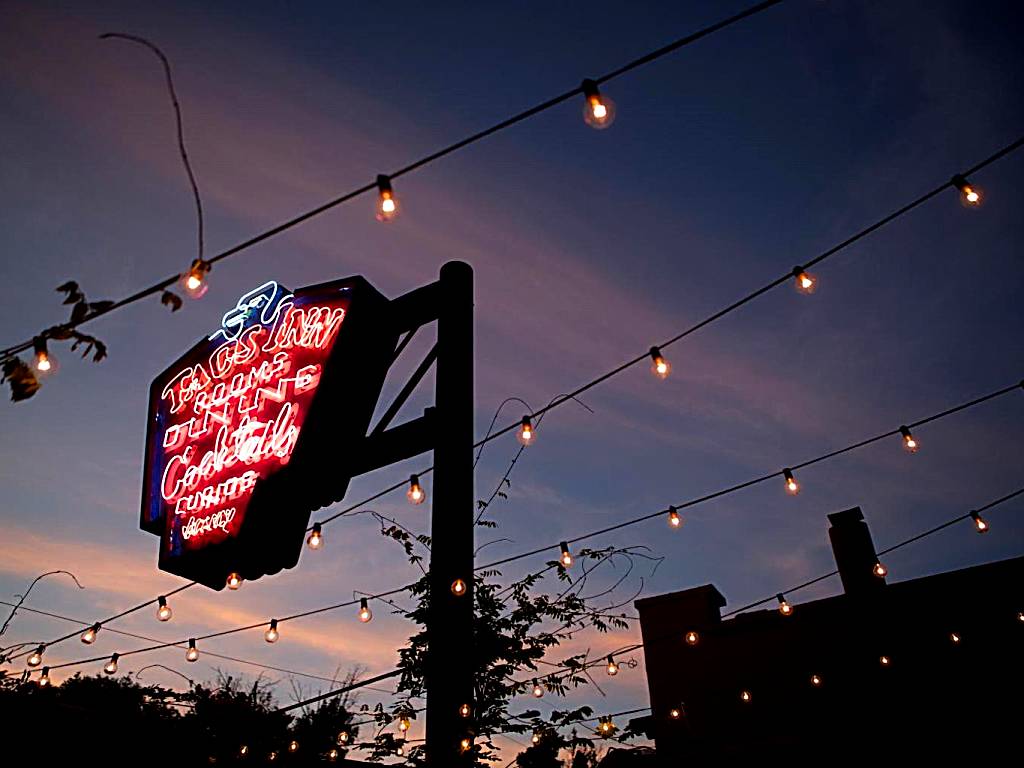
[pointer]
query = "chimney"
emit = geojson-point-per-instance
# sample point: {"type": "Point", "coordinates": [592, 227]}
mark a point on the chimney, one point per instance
{"type": "Point", "coordinates": [854, 552]}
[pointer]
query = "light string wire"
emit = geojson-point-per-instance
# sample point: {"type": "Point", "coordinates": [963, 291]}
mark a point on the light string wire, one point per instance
{"type": "Point", "coordinates": [632, 521]}
{"type": "Point", "coordinates": [417, 164]}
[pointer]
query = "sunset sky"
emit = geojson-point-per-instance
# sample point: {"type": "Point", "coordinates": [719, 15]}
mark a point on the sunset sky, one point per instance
{"type": "Point", "coordinates": [730, 161]}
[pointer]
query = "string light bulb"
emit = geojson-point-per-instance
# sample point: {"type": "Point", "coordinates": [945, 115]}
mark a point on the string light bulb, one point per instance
{"type": "Point", "coordinates": [565, 558]}
{"type": "Point", "coordinates": [272, 756]}
{"type": "Point", "coordinates": [525, 433]}
{"type": "Point", "coordinates": [343, 738]}
{"type": "Point", "coordinates": [970, 195]}
{"type": "Point", "coordinates": [598, 109]}
{"type": "Point", "coordinates": [745, 697]}
{"type": "Point", "coordinates": [466, 744]}
{"type": "Point", "coordinates": [404, 724]}
{"type": "Point", "coordinates": [163, 611]}
{"type": "Point", "coordinates": [43, 362]}
{"type": "Point", "coordinates": [44, 678]}
{"type": "Point", "coordinates": [365, 614]}
{"type": "Point", "coordinates": [606, 726]}
{"type": "Point", "coordinates": [954, 638]}
{"type": "Point", "coordinates": [89, 636]}
{"type": "Point", "coordinates": [816, 681]}
{"type": "Point", "coordinates": [234, 580]}
{"type": "Point", "coordinates": [271, 635]}
{"type": "Point", "coordinates": [804, 281]}
{"type": "Point", "coordinates": [315, 539]}
{"type": "Point", "coordinates": [660, 367]}
{"type": "Point", "coordinates": [675, 713]}
{"type": "Point", "coordinates": [458, 587]}
{"type": "Point", "coordinates": [979, 522]}
{"type": "Point", "coordinates": [674, 520]}
{"type": "Point", "coordinates": [243, 751]}
{"type": "Point", "coordinates": [535, 738]}
{"type": "Point", "coordinates": [400, 750]}
{"type": "Point", "coordinates": [415, 494]}
{"type": "Point", "coordinates": [784, 608]}
{"type": "Point", "coordinates": [692, 637]}
{"type": "Point", "coordinates": [110, 667]}
{"type": "Point", "coordinates": [293, 746]}
{"type": "Point", "coordinates": [332, 755]}
{"type": "Point", "coordinates": [880, 570]}
{"type": "Point", "coordinates": [909, 442]}
{"type": "Point", "coordinates": [387, 205]}
{"type": "Point", "coordinates": [36, 657]}
{"type": "Point", "coordinates": [613, 667]}
{"type": "Point", "coordinates": [194, 282]}
{"type": "Point", "coordinates": [792, 486]}
{"type": "Point", "coordinates": [1020, 616]}
{"type": "Point", "coordinates": [192, 653]}
{"type": "Point", "coordinates": [538, 690]}
{"type": "Point", "coordinates": [465, 710]}
{"type": "Point", "coordinates": [885, 661]}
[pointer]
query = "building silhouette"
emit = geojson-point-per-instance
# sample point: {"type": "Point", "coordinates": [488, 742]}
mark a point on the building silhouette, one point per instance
{"type": "Point", "coordinates": [922, 671]}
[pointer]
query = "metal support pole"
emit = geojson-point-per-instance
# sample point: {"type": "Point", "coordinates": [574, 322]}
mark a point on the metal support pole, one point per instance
{"type": "Point", "coordinates": [449, 659]}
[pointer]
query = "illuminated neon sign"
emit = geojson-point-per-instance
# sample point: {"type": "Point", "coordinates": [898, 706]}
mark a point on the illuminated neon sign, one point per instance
{"type": "Point", "coordinates": [240, 427]}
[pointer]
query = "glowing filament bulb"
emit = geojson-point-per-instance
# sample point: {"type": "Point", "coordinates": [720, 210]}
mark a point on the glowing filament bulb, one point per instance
{"type": "Point", "coordinates": [525, 433]}
{"type": "Point", "coordinates": [365, 614]}
{"type": "Point", "coordinates": [316, 538]}
{"type": "Point", "coordinates": [885, 661]}
{"type": "Point", "coordinates": [970, 195]}
{"type": "Point", "coordinates": [36, 657]}
{"type": "Point", "coordinates": [613, 667]}
{"type": "Point", "coordinates": [745, 697]}
{"type": "Point", "coordinates": [44, 678]}
{"type": "Point", "coordinates": [243, 751]}
{"type": "Point", "coordinates": [792, 486]}
{"type": "Point", "coordinates": [565, 558]}
{"type": "Point", "coordinates": [400, 751]}
{"type": "Point", "coordinates": [880, 570]}
{"type": "Point", "coordinates": [343, 737]}
{"type": "Point", "coordinates": [387, 205]}
{"type": "Point", "coordinates": [458, 587]}
{"type": "Point", "coordinates": [598, 109]}
{"type": "Point", "coordinates": [1020, 616]}
{"type": "Point", "coordinates": [535, 738]}
{"type": "Point", "coordinates": [89, 636]}
{"type": "Point", "coordinates": [271, 634]}
{"type": "Point", "coordinates": [192, 653]}
{"type": "Point", "coordinates": [163, 611]}
{"type": "Point", "coordinates": [804, 281]}
{"type": "Point", "coordinates": [404, 724]}
{"type": "Point", "coordinates": [194, 282]}
{"type": "Point", "coordinates": [465, 710]}
{"type": "Point", "coordinates": [815, 681]}
{"type": "Point", "coordinates": [659, 365]}
{"type": "Point", "coordinates": [784, 608]}
{"type": "Point", "coordinates": [674, 520]}
{"type": "Point", "coordinates": [606, 726]}
{"type": "Point", "coordinates": [43, 361]}
{"type": "Point", "coordinates": [979, 522]}
{"type": "Point", "coordinates": [954, 638]}
{"type": "Point", "coordinates": [908, 440]}
{"type": "Point", "coordinates": [332, 755]}
{"type": "Point", "coordinates": [466, 744]}
{"type": "Point", "coordinates": [675, 713]}
{"type": "Point", "coordinates": [234, 580]}
{"type": "Point", "coordinates": [272, 756]}
{"type": "Point", "coordinates": [538, 690]}
{"type": "Point", "coordinates": [293, 746]}
{"type": "Point", "coordinates": [110, 667]}
{"type": "Point", "coordinates": [415, 494]}
{"type": "Point", "coordinates": [691, 638]}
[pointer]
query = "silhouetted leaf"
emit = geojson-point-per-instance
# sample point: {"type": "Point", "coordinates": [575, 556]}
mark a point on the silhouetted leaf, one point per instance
{"type": "Point", "coordinates": [79, 312]}
{"type": "Point", "coordinates": [23, 382]}
{"type": "Point", "coordinates": [74, 294]}
{"type": "Point", "coordinates": [171, 299]}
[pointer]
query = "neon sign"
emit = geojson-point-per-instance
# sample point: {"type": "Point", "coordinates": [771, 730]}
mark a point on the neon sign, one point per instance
{"type": "Point", "coordinates": [239, 426]}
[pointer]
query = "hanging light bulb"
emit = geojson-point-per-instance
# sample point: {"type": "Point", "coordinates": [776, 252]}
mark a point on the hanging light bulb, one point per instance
{"type": "Point", "coordinates": [1020, 616]}
{"type": "Point", "coordinates": [613, 667]}
{"type": "Point", "coordinates": [163, 611]}
{"type": "Point", "coordinates": [979, 522]}
{"type": "Point", "coordinates": [792, 486]}
{"type": "Point", "coordinates": [272, 756]}
{"type": "Point", "coordinates": [598, 110]}
{"type": "Point", "coordinates": [400, 750]}
{"type": "Point", "coordinates": [243, 751]}
{"type": "Point", "coordinates": [343, 738]}
{"type": "Point", "coordinates": [111, 666]}
{"type": "Point", "coordinates": [815, 681]}
{"type": "Point", "coordinates": [535, 738]}
{"type": "Point", "coordinates": [192, 653]}
{"type": "Point", "coordinates": [908, 440]}
{"type": "Point", "coordinates": [804, 281]}
{"type": "Point", "coordinates": [332, 755]}
{"type": "Point", "coordinates": [415, 494]}
{"type": "Point", "coordinates": [745, 697]}
{"type": "Point", "coordinates": [194, 282]}
{"type": "Point", "coordinates": [970, 195]}
{"type": "Point", "coordinates": [954, 638]}
{"type": "Point", "coordinates": [606, 726]}
{"type": "Point", "coordinates": [458, 587]}
{"type": "Point", "coordinates": [675, 713]}
{"type": "Point", "coordinates": [784, 608]}
{"type": "Point", "coordinates": [565, 558]}
{"type": "Point", "coordinates": [387, 205]}
{"type": "Point", "coordinates": [89, 636]}
{"type": "Point", "coordinates": [44, 678]}
{"type": "Point", "coordinates": [404, 724]}
{"type": "Point", "coordinates": [885, 661]}
{"type": "Point", "coordinates": [43, 362]}
{"type": "Point", "coordinates": [271, 634]}
{"type": "Point", "coordinates": [880, 570]}
{"type": "Point", "coordinates": [315, 539]}
{"type": "Point", "coordinates": [525, 433]}
{"type": "Point", "coordinates": [234, 580]}
{"type": "Point", "coordinates": [466, 744]}
{"type": "Point", "coordinates": [691, 638]}
{"type": "Point", "coordinates": [36, 657]}
{"type": "Point", "coordinates": [293, 746]}
{"type": "Point", "coordinates": [465, 710]}
{"type": "Point", "coordinates": [538, 690]}
{"type": "Point", "coordinates": [659, 365]}
{"type": "Point", "coordinates": [674, 520]}
{"type": "Point", "coordinates": [365, 614]}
